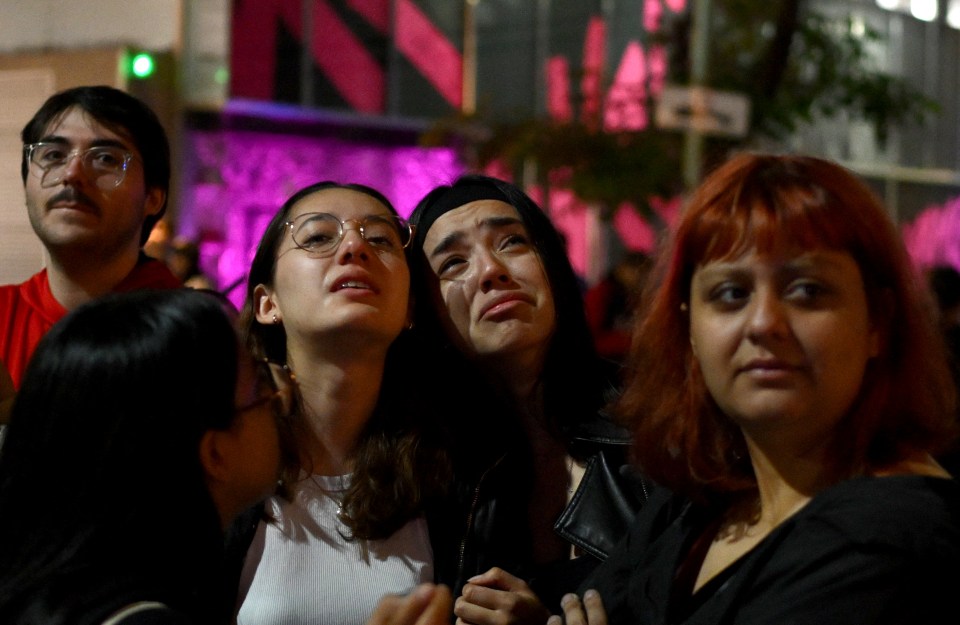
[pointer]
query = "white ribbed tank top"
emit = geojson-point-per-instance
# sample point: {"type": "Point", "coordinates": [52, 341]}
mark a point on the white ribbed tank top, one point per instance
{"type": "Point", "coordinates": [300, 570]}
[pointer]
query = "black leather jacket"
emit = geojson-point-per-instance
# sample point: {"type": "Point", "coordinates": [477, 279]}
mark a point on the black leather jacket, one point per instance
{"type": "Point", "coordinates": [487, 525]}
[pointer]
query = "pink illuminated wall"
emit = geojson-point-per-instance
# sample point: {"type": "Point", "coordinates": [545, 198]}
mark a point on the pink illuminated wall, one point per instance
{"type": "Point", "coordinates": [933, 238]}
{"type": "Point", "coordinates": [237, 179]}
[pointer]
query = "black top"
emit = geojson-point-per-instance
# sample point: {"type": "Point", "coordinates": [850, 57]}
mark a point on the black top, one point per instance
{"type": "Point", "coordinates": [868, 550]}
{"type": "Point", "coordinates": [485, 521]}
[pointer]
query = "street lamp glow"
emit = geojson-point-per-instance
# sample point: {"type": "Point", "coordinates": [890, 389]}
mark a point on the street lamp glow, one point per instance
{"type": "Point", "coordinates": [953, 14]}
{"type": "Point", "coordinates": [142, 65]}
{"type": "Point", "coordinates": [925, 10]}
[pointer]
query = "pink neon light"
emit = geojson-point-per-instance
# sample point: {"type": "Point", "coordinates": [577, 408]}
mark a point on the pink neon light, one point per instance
{"type": "Point", "coordinates": [377, 12]}
{"type": "Point", "coordinates": [253, 50]}
{"type": "Point", "coordinates": [346, 62]}
{"type": "Point", "coordinates": [633, 229]}
{"type": "Point", "coordinates": [254, 172]}
{"type": "Point", "coordinates": [656, 69]}
{"type": "Point", "coordinates": [652, 14]}
{"type": "Point", "coordinates": [421, 42]}
{"type": "Point", "coordinates": [569, 215]}
{"type": "Point", "coordinates": [425, 46]}
{"type": "Point", "coordinates": [676, 5]}
{"type": "Point", "coordinates": [931, 238]}
{"type": "Point", "coordinates": [558, 89]}
{"type": "Point", "coordinates": [636, 232]}
{"type": "Point", "coordinates": [594, 47]}
{"type": "Point", "coordinates": [625, 106]}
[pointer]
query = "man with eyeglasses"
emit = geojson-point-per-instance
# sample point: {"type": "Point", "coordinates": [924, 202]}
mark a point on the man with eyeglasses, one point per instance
{"type": "Point", "coordinates": [96, 172]}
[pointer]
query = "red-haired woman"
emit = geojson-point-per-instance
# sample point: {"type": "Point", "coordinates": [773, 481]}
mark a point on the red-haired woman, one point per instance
{"type": "Point", "coordinates": [789, 387]}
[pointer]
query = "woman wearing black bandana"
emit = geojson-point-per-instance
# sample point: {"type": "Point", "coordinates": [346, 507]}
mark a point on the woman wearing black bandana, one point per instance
{"type": "Point", "coordinates": [543, 490]}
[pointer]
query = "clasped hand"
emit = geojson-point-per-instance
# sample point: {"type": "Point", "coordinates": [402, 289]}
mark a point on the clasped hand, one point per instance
{"type": "Point", "coordinates": [588, 612]}
{"type": "Point", "coordinates": [498, 598]}
{"type": "Point", "coordinates": [426, 605]}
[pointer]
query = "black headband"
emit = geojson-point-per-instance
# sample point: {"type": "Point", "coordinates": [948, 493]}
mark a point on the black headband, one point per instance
{"type": "Point", "coordinates": [455, 197]}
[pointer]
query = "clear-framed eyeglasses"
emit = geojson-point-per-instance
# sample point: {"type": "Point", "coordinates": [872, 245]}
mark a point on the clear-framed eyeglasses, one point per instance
{"type": "Point", "coordinates": [320, 233]}
{"type": "Point", "coordinates": [106, 165]}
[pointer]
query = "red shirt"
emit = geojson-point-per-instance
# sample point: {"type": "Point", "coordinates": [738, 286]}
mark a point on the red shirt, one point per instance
{"type": "Point", "coordinates": [29, 310]}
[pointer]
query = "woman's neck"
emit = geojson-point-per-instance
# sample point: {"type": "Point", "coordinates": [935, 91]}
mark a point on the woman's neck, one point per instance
{"type": "Point", "coordinates": [523, 395]}
{"type": "Point", "coordinates": [788, 476]}
{"type": "Point", "coordinates": [519, 374]}
{"type": "Point", "coordinates": [339, 397]}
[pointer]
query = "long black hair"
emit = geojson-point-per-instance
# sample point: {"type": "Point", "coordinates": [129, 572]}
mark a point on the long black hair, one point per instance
{"type": "Point", "coordinates": [103, 496]}
{"type": "Point", "coordinates": [574, 384]}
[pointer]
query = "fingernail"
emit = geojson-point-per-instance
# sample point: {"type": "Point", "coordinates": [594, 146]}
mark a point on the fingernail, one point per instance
{"type": "Point", "coordinates": [567, 598]}
{"type": "Point", "coordinates": [423, 591]}
{"type": "Point", "coordinates": [591, 594]}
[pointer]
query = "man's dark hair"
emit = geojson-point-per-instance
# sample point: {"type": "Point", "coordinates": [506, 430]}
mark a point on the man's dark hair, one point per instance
{"type": "Point", "coordinates": [123, 114]}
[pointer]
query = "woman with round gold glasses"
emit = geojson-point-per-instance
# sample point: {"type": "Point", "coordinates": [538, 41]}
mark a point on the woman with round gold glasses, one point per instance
{"type": "Point", "coordinates": [328, 296]}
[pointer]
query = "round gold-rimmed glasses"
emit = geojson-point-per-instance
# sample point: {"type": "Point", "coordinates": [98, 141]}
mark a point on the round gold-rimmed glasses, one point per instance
{"type": "Point", "coordinates": [320, 233]}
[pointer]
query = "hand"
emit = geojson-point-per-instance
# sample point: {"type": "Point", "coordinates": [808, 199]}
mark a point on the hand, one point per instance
{"type": "Point", "coordinates": [573, 611]}
{"type": "Point", "coordinates": [498, 598]}
{"type": "Point", "coordinates": [426, 605]}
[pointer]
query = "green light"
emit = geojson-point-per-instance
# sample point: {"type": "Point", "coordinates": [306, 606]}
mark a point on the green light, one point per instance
{"type": "Point", "coordinates": [142, 65]}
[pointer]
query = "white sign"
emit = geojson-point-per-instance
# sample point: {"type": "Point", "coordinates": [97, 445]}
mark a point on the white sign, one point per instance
{"type": "Point", "coordinates": [704, 110]}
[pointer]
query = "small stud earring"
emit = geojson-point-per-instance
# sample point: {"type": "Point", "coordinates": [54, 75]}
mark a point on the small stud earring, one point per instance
{"type": "Point", "coordinates": [275, 320]}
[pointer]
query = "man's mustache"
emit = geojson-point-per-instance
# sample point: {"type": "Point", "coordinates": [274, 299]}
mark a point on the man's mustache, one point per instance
{"type": "Point", "coordinates": [73, 196]}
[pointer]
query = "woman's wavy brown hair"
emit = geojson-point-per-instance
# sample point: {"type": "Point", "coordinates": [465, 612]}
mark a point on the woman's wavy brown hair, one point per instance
{"type": "Point", "coordinates": [906, 403]}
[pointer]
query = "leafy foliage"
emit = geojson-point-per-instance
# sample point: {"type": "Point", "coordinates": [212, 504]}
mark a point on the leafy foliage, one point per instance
{"type": "Point", "coordinates": [794, 64]}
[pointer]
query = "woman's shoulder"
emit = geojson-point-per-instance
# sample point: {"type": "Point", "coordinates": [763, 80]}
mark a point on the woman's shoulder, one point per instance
{"type": "Point", "coordinates": [905, 510]}
{"type": "Point", "coordinates": [893, 492]}
{"type": "Point", "coordinates": [867, 550]}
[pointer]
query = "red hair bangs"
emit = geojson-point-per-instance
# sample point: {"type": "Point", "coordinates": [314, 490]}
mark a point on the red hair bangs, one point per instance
{"type": "Point", "coordinates": [768, 209]}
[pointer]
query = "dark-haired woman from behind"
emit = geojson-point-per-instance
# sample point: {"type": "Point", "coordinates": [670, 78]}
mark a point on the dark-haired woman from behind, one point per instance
{"type": "Point", "coordinates": [138, 432]}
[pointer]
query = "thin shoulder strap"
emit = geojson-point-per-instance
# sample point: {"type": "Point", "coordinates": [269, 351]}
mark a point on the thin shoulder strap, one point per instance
{"type": "Point", "coordinates": [129, 610]}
